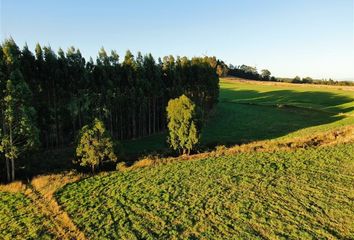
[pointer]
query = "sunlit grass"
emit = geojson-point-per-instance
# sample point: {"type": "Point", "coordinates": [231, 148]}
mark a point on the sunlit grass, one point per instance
{"type": "Point", "coordinates": [249, 111]}
{"type": "Point", "coordinates": [304, 194]}
{"type": "Point", "coordinates": [20, 218]}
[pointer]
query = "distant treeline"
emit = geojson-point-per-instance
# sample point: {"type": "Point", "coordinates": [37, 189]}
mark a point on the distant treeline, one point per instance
{"type": "Point", "coordinates": [129, 96]}
{"type": "Point", "coordinates": [297, 79]}
{"type": "Point", "coordinates": [248, 72]}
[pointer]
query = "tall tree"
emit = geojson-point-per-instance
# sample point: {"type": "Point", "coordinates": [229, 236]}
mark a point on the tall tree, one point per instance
{"type": "Point", "coordinates": [129, 97]}
{"type": "Point", "coordinates": [19, 133]}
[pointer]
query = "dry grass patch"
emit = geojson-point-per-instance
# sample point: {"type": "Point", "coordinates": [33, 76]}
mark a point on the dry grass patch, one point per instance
{"type": "Point", "coordinates": [13, 187]}
{"type": "Point", "coordinates": [42, 190]}
{"type": "Point", "coordinates": [48, 184]}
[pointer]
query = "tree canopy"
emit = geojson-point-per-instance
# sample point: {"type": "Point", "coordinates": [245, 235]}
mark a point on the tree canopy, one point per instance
{"type": "Point", "coordinates": [95, 146]}
{"type": "Point", "coordinates": [182, 124]}
{"type": "Point", "coordinates": [62, 91]}
{"type": "Point", "coordinates": [18, 133]}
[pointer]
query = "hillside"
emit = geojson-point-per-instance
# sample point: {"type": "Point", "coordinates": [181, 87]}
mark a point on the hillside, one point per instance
{"type": "Point", "coordinates": [252, 110]}
{"type": "Point", "coordinates": [295, 168]}
{"type": "Point", "coordinates": [252, 195]}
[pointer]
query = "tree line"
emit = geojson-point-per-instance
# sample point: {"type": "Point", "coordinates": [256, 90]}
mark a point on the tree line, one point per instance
{"type": "Point", "coordinates": [310, 80]}
{"type": "Point", "coordinates": [251, 73]}
{"type": "Point", "coordinates": [53, 95]}
{"type": "Point", "coordinates": [248, 72]}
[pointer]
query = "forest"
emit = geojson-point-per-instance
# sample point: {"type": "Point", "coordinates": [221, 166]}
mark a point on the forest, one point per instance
{"type": "Point", "coordinates": [47, 97]}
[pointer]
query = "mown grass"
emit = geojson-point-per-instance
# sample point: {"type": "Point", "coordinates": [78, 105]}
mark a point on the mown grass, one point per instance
{"type": "Point", "coordinates": [249, 111]}
{"type": "Point", "coordinates": [306, 193]}
{"type": "Point", "coordinates": [20, 219]}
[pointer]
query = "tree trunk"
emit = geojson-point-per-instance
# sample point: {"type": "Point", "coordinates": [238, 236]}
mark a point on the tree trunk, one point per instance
{"type": "Point", "coordinates": [74, 126]}
{"type": "Point", "coordinates": [121, 125]}
{"type": "Point", "coordinates": [149, 112]}
{"type": "Point", "coordinates": [8, 175]}
{"type": "Point", "coordinates": [79, 115]}
{"type": "Point", "coordinates": [12, 169]}
{"type": "Point", "coordinates": [134, 123]}
{"type": "Point", "coordinates": [57, 132]}
{"type": "Point", "coordinates": [116, 123]}
{"type": "Point", "coordinates": [111, 120]}
{"type": "Point", "coordinates": [12, 160]}
{"type": "Point", "coordinates": [49, 104]}
{"type": "Point", "coordinates": [154, 114]}
{"type": "Point", "coordinates": [158, 115]}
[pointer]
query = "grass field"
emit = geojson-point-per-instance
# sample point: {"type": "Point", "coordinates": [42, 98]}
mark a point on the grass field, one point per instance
{"type": "Point", "coordinates": [20, 219]}
{"type": "Point", "coordinates": [304, 194]}
{"type": "Point", "coordinates": [249, 111]}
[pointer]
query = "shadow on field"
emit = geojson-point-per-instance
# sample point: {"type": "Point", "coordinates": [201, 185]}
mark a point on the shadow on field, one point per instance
{"type": "Point", "coordinates": [243, 116]}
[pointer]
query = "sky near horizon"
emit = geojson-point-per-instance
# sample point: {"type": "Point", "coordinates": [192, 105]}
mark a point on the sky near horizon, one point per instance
{"type": "Point", "coordinates": [301, 37]}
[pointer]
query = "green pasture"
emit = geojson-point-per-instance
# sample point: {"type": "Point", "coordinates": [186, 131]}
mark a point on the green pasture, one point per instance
{"type": "Point", "coordinates": [305, 194]}
{"type": "Point", "coordinates": [20, 218]}
{"type": "Point", "coordinates": [254, 111]}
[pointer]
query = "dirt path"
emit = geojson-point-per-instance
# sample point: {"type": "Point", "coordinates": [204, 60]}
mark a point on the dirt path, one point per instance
{"type": "Point", "coordinates": [41, 191]}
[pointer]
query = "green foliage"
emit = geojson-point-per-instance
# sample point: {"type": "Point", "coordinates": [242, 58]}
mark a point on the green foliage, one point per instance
{"type": "Point", "coordinates": [265, 74]}
{"type": "Point", "coordinates": [19, 132]}
{"type": "Point", "coordinates": [248, 112]}
{"type": "Point", "coordinates": [296, 79]}
{"type": "Point", "coordinates": [20, 219]}
{"type": "Point", "coordinates": [95, 146]}
{"type": "Point", "coordinates": [130, 97]}
{"type": "Point", "coordinates": [182, 124]}
{"type": "Point", "coordinates": [11, 54]}
{"type": "Point", "coordinates": [305, 194]}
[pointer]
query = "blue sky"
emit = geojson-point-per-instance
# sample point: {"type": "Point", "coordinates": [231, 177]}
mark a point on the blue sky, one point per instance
{"type": "Point", "coordinates": [300, 37]}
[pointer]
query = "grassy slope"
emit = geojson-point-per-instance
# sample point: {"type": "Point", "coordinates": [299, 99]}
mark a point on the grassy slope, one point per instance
{"type": "Point", "coordinates": [20, 219]}
{"type": "Point", "coordinates": [302, 194]}
{"type": "Point", "coordinates": [322, 107]}
{"type": "Point", "coordinates": [250, 111]}
{"type": "Point", "coordinates": [246, 112]}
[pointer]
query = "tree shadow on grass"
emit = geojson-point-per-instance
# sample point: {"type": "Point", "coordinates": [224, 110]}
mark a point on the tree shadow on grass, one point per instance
{"type": "Point", "coordinates": [42, 162]}
{"type": "Point", "coordinates": [241, 116]}
{"type": "Point", "coordinates": [244, 116]}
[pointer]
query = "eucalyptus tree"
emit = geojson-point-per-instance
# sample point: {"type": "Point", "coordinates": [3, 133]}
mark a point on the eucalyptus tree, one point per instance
{"type": "Point", "coordinates": [95, 146]}
{"type": "Point", "coordinates": [182, 124]}
{"type": "Point", "coordinates": [19, 133]}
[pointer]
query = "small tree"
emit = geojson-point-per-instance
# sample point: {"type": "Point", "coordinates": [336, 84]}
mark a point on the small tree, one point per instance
{"type": "Point", "coordinates": [95, 146]}
{"type": "Point", "coordinates": [182, 125]}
